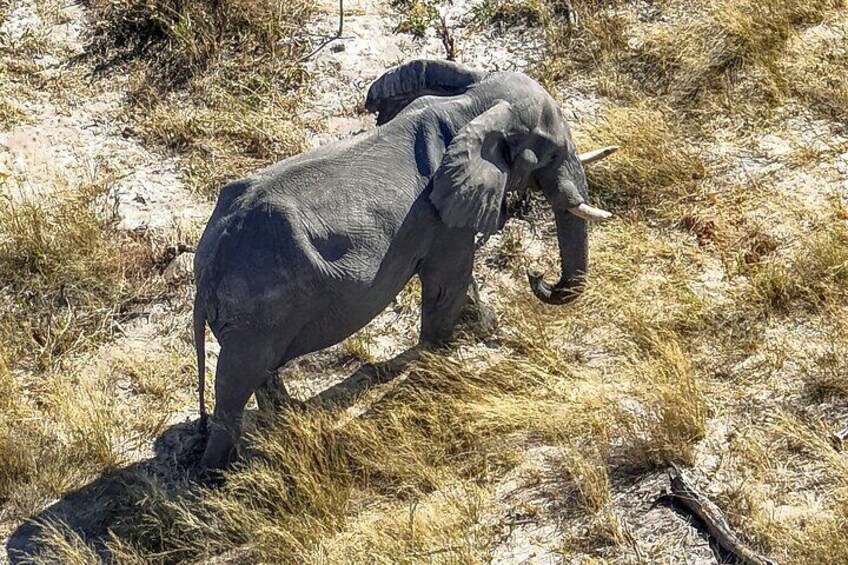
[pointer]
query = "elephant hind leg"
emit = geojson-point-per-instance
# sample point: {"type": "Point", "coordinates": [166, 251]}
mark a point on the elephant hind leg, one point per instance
{"type": "Point", "coordinates": [243, 366]}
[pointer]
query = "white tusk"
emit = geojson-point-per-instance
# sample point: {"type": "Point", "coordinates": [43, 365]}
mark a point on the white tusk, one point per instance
{"type": "Point", "coordinates": [592, 156]}
{"type": "Point", "coordinates": [590, 213]}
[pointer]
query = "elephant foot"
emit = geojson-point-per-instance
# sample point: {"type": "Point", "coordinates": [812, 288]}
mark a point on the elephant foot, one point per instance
{"type": "Point", "coordinates": [209, 478]}
{"type": "Point", "coordinates": [220, 447]}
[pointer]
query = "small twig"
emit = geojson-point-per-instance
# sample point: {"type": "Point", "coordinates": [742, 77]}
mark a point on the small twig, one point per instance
{"type": "Point", "coordinates": [435, 551]}
{"type": "Point", "coordinates": [713, 518]}
{"type": "Point", "coordinates": [447, 39]}
{"type": "Point", "coordinates": [839, 438]}
{"type": "Point", "coordinates": [522, 522]}
{"type": "Point", "coordinates": [328, 40]}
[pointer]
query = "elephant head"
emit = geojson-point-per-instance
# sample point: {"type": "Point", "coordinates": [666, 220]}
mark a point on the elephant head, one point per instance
{"type": "Point", "coordinates": [510, 134]}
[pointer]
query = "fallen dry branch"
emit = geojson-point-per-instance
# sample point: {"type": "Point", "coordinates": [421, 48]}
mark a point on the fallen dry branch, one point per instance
{"type": "Point", "coordinates": [684, 491]}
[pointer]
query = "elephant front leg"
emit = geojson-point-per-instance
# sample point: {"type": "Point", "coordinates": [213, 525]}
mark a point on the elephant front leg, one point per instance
{"type": "Point", "coordinates": [448, 292]}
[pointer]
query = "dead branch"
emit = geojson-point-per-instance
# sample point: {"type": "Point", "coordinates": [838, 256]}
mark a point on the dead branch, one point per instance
{"type": "Point", "coordinates": [447, 39]}
{"type": "Point", "coordinates": [330, 39]}
{"type": "Point", "coordinates": [839, 438]}
{"type": "Point", "coordinates": [684, 491]}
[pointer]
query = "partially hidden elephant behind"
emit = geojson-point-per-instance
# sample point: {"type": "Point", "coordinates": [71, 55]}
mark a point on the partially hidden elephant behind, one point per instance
{"type": "Point", "coordinates": [304, 253]}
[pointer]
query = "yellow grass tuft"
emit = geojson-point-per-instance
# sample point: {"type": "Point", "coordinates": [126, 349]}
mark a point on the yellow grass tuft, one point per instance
{"type": "Point", "coordinates": [64, 546]}
{"type": "Point", "coordinates": [815, 273]}
{"type": "Point", "coordinates": [586, 467]}
{"type": "Point", "coordinates": [359, 345]}
{"type": "Point", "coordinates": [66, 276]}
{"type": "Point", "coordinates": [215, 82]}
{"type": "Point", "coordinates": [655, 163]}
{"type": "Point", "coordinates": [673, 413]}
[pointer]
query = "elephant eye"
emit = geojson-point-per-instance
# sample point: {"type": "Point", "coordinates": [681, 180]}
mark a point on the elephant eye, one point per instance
{"type": "Point", "coordinates": [546, 149]}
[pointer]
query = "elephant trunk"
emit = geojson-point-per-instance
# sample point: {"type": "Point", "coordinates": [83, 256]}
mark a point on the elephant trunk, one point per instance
{"type": "Point", "coordinates": [565, 189]}
{"type": "Point", "coordinates": [573, 239]}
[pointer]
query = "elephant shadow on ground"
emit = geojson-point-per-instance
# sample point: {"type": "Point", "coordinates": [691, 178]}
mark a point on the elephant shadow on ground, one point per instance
{"type": "Point", "coordinates": [91, 510]}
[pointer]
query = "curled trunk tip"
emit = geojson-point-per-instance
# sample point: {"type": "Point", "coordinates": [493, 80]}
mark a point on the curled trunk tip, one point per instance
{"type": "Point", "coordinates": [560, 293]}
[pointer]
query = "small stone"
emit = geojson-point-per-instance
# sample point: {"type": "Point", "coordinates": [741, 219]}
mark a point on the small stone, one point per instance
{"type": "Point", "coordinates": [180, 269]}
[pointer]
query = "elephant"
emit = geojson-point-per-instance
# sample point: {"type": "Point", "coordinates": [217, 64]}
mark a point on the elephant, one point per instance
{"type": "Point", "coordinates": [300, 255]}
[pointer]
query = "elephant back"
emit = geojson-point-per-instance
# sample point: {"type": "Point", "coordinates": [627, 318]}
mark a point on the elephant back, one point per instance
{"type": "Point", "coordinates": [398, 87]}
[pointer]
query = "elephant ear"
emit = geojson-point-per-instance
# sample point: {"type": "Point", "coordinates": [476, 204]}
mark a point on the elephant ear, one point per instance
{"type": "Point", "coordinates": [398, 87]}
{"type": "Point", "coordinates": [469, 185]}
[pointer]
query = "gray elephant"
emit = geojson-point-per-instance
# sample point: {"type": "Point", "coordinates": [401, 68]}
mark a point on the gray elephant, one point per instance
{"type": "Point", "coordinates": [304, 253]}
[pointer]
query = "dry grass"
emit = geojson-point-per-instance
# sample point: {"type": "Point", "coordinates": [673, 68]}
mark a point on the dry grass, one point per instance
{"type": "Point", "coordinates": [65, 275]}
{"type": "Point", "coordinates": [817, 66]}
{"type": "Point", "coordinates": [701, 57]}
{"type": "Point", "coordinates": [11, 113]}
{"type": "Point", "coordinates": [815, 272]}
{"type": "Point", "coordinates": [412, 478]}
{"type": "Point", "coordinates": [17, 69]}
{"type": "Point", "coordinates": [828, 368]}
{"type": "Point", "coordinates": [214, 82]}
{"type": "Point", "coordinates": [510, 13]}
{"type": "Point", "coordinates": [67, 426]}
{"type": "Point", "coordinates": [789, 489]}
{"type": "Point", "coordinates": [359, 345]}
{"type": "Point", "coordinates": [585, 467]}
{"type": "Point", "coordinates": [656, 166]}
{"type": "Point", "coordinates": [674, 407]}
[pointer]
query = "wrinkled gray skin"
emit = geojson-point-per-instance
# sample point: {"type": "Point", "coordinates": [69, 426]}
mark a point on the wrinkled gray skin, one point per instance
{"type": "Point", "coordinates": [304, 253]}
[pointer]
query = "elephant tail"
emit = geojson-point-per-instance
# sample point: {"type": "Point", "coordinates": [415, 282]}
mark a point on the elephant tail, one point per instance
{"type": "Point", "coordinates": [200, 349]}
